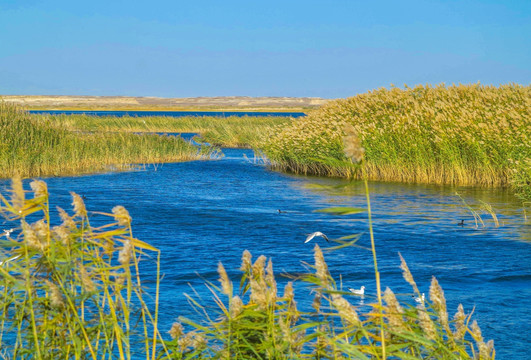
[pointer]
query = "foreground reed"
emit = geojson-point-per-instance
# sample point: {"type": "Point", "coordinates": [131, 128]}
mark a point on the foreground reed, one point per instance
{"type": "Point", "coordinates": [463, 135]}
{"type": "Point", "coordinates": [71, 291]}
{"type": "Point", "coordinates": [34, 146]}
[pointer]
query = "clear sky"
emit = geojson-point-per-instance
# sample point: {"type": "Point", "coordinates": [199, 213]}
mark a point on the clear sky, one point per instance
{"type": "Point", "coordinates": [333, 48]}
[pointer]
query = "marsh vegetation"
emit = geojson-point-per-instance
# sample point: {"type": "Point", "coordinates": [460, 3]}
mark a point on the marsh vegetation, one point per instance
{"type": "Point", "coordinates": [461, 135]}
{"type": "Point", "coordinates": [36, 146]}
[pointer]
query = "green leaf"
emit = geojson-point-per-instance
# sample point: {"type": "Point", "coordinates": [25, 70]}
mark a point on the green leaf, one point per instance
{"type": "Point", "coordinates": [340, 210]}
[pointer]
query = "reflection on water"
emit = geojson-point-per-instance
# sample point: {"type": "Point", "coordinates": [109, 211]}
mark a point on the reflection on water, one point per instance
{"type": "Point", "coordinates": [199, 213]}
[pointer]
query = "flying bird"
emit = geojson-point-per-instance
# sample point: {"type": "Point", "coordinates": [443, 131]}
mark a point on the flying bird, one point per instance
{"type": "Point", "coordinates": [317, 233]}
{"type": "Point", "coordinates": [419, 299]}
{"type": "Point", "coordinates": [360, 291]}
{"type": "Point", "coordinates": [8, 232]}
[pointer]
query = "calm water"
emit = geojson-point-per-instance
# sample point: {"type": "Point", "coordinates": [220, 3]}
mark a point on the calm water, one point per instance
{"type": "Point", "coordinates": [167, 113]}
{"type": "Point", "coordinates": [199, 213]}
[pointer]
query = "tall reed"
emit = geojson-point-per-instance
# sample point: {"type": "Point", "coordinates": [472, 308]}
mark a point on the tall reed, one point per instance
{"type": "Point", "coordinates": [72, 291]}
{"type": "Point", "coordinates": [35, 146]}
{"type": "Point", "coordinates": [466, 134]}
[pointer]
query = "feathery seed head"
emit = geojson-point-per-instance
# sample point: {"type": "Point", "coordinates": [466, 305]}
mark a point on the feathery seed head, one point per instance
{"type": "Point", "coordinates": [320, 266]}
{"type": "Point", "coordinates": [288, 292]}
{"type": "Point", "coordinates": [124, 256]}
{"type": "Point", "coordinates": [226, 285]}
{"type": "Point", "coordinates": [394, 311]}
{"type": "Point", "coordinates": [39, 188]}
{"type": "Point", "coordinates": [346, 311]}
{"type": "Point", "coordinates": [258, 267]}
{"type": "Point", "coordinates": [67, 219]}
{"type": "Point", "coordinates": [459, 320]}
{"type": "Point", "coordinates": [439, 301]}
{"type": "Point", "coordinates": [79, 205]}
{"type": "Point", "coordinates": [258, 294]}
{"type": "Point", "coordinates": [176, 330]}
{"type": "Point", "coordinates": [236, 306]}
{"type": "Point", "coordinates": [56, 298]}
{"type": "Point", "coordinates": [31, 237]}
{"type": "Point", "coordinates": [121, 215]}
{"type": "Point", "coordinates": [62, 233]}
{"type": "Point", "coordinates": [427, 325]}
{"type": "Point", "coordinates": [246, 261]}
{"type": "Point", "coordinates": [407, 274]}
{"type": "Point", "coordinates": [18, 197]}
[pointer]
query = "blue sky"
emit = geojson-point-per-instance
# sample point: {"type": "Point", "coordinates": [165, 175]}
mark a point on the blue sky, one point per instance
{"type": "Point", "coordinates": [330, 49]}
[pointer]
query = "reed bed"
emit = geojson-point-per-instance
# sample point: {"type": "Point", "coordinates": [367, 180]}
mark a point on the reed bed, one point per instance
{"type": "Point", "coordinates": [36, 146]}
{"type": "Point", "coordinates": [231, 131]}
{"type": "Point", "coordinates": [462, 135]}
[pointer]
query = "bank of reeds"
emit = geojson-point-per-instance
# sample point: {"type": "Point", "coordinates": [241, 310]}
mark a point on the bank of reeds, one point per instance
{"type": "Point", "coordinates": [465, 135]}
{"type": "Point", "coordinates": [231, 131]}
{"type": "Point", "coordinates": [72, 291]}
{"type": "Point", "coordinates": [35, 146]}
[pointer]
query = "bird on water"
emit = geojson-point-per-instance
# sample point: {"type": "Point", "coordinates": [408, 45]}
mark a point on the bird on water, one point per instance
{"type": "Point", "coordinates": [360, 291]}
{"type": "Point", "coordinates": [317, 233]}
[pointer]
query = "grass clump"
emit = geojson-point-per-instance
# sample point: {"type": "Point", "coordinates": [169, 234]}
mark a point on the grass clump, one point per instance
{"type": "Point", "coordinates": [232, 131]}
{"type": "Point", "coordinates": [463, 135]}
{"type": "Point", "coordinates": [257, 322]}
{"type": "Point", "coordinates": [35, 146]}
{"type": "Point", "coordinates": [71, 291]}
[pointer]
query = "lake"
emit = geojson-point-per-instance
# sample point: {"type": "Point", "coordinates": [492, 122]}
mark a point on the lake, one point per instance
{"type": "Point", "coordinates": [166, 113]}
{"type": "Point", "coordinates": [202, 212]}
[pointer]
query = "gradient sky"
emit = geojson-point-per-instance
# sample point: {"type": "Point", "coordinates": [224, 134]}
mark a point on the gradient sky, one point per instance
{"type": "Point", "coordinates": [330, 49]}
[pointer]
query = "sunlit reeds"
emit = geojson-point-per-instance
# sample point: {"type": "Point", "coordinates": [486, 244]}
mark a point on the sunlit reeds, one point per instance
{"type": "Point", "coordinates": [466, 134]}
{"type": "Point", "coordinates": [67, 291]}
{"type": "Point", "coordinates": [35, 146]}
{"type": "Point", "coordinates": [231, 131]}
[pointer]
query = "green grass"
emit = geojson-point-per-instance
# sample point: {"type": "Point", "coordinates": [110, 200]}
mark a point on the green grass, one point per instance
{"type": "Point", "coordinates": [462, 135]}
{"type": "Point", "coordinates": [36, 146]}
{"type": "Point", "coordinates": [232, 131]}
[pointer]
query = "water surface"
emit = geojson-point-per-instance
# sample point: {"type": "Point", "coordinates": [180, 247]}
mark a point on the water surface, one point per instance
{"type": "Point", "coordinates": [167, 113]}
{"type": "Point", "coordinates": [199, 213]}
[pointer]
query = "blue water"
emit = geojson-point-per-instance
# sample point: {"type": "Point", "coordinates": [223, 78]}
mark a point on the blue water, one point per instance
{"type": "Point", "coordinates": [199, 213]}
{"type": "Point", "coordinates": [167, 113]}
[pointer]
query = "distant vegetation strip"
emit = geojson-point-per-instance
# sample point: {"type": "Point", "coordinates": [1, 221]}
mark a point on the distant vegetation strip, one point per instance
{"type": "Point", "coordinates": [462, 135]}
{"type": "Point", "coordinates": [33, 145]}
{"type": "Point", "coordinates": [232, 131]}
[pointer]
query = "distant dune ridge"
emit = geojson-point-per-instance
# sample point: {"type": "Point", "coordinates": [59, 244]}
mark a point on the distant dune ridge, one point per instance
{"type": "Point", "coordinates": [155, 103]}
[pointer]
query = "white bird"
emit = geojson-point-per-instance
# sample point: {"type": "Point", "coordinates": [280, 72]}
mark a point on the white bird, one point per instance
{"type": "Point", "coordinates": [419, 299]}
{"type": "Point", "coordinates": [361, 290]}
{"type": "Point", "coordinates": [8, 232]}
{"type": "Point", "coordinates": [317, 233]}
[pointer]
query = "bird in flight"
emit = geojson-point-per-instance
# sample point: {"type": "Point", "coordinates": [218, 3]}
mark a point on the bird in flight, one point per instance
{"type": "Point", "coordinates": [419, 299]}
{"type": "Point", "coordinates": [7, 232]}
{"type": "Point", "coordinates": [360, 291]}
{"type": "Point", "coordinates": [317, 233]}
